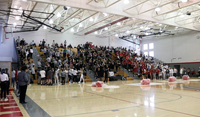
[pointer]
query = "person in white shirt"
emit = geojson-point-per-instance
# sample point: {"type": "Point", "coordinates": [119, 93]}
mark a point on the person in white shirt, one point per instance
{"type": "Point", "coordinates": [75, 75]}
{"type": "Point", "coordinates": [70, 75]}
{"type": "Point", "coordinates": [171, 71]}
{"type": "Point", "coordinates": [4, 80]}
{"type": "Point", "coordinates": [181, 72]}
{"type": "Point", "coordinates": [175, 72]}
{"type": "Point", "coordinates": [53, 44]}
{"type": "Point", "coordinates": [33, 71]}
{"type": "Point", "coordinates": [56, 76]}
{"type": "Point", "coordinates": [31, 52]}
{"type": "Point", "coordinates": [164, 73]}
{"type": "Point", "coordinates": [81, 78]}
{"type": "Point", "coordinates": [27, 53]}
{"type": "Point", "coordinates": [43, 75]}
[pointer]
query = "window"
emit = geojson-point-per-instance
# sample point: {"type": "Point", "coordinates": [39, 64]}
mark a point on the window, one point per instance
{"type": "Point", "coordinates": [145, 47]}
{"type": "Point", "coordinates": [151, 53]}
{"type": "Point", "coordinates": [151, 46]}
{"type": "Point", "coordinates": [146, 53]}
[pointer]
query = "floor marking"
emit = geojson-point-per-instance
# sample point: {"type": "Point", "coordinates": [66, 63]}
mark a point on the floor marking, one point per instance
{"type": "Point", "coordinates": [138, 84]}
{"type": "Point", "coordinates": [143, 104]}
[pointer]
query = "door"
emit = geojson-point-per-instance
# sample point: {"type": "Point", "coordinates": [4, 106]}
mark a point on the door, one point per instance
{"type": "Point", "coordinates": [178, 69]}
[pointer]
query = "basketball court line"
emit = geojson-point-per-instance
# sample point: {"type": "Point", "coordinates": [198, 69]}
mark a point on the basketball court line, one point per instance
{"type": "Point", "coordinates": [143, 104]}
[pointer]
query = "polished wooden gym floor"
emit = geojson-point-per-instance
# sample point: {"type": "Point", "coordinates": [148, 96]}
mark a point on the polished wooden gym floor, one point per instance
{"type": "Point", "coordinates": [163, 99]}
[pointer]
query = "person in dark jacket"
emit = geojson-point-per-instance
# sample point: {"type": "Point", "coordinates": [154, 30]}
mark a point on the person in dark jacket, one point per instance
{"type": "Point", "coordinates": [50, 76]}
{"type": "Point", "coordinates": [23, 82]}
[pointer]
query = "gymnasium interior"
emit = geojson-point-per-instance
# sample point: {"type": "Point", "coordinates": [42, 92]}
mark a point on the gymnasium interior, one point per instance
{"type": "Point", "coordinates": [100, 58]}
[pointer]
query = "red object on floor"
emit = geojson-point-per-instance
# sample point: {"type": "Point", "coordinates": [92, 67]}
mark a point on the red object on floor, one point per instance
{"type": "Point", "coordinates": [94, 84]}
{"type": "Point", "coordinates": [172, 79]}
{"type": "Point", "coordinates": [185, 77]}
{"type": "Point", "coordinates": [99, 84]}
{"type": "Point", "coordinates": [145, 82]}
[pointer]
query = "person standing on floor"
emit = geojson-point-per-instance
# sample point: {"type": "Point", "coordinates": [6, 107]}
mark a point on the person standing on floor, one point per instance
{"type": "Point", "coordinates": [43, 76]}
{"type": "Point", "coordinates": [106, 74]}
{"type": "Point", "coordinates": [8, 82]}
{"type": "Point", "coordinates": [23, 82]}
{"type": "Point", "coordinates": [49, 76]}
{"type": "Point", "coordinates": [13, 78]}
{"type": "Point", "coordinates": [56, 76]}
{"type": "Point", "coordinates": [181, 72]}
{"type": "Point", "coordinates": [175, 72]}
{"type": "Point", "coordinates": [33, 72]}
{"type": "Point", "coordinates": [3, 78]}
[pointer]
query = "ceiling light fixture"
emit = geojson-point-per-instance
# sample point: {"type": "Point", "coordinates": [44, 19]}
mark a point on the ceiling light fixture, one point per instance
{"type": "Point", "coordinates": [24, 0]}
{"type": "Point", "coordinates": [134, 37]}
{"type": "Point", "coordinates": [45, 27]}
{"type": "Point", "coordinates": [50, 21]}
{"type": "Point", "coordinates": [58, 14]}
{"type": "Point", "coordinates": [127, 31]}
{"type": "Point", "coordinates": [184, 0]}
{"type": "Point", "coordinates": [80, 25]}
{"type": "Point", "coordinates": [72, 30]}
{"type": "Point", "coordinates": [157, 9]}
{"type": "Point", "coordinates": [116, 35]}
{"type": "Point", "coordinates": [146, 33]}
{"type": "Point", "coordinates": [106, 28]}
{"type": "Point", "coordinates": [147, 28]}
{"type": "Point", "coordinates": [95, 32]}
{"type": "Point", "coordinates": [118, 23]}
{"type": "Point", "coordinates": [14, 24]}
{"type": "Point", "coordinates": [17, 17]}
{"type": "Point", "coordinates": [141, 27]}
{"type": "Point", "coordinates": [91, 19]}
{"type": "Point", "coordinates": [20, 9]}
{"type": "Point", "coordinates": [126, 1]}
{"type": "Point", "coordinates": [105, 14]}
{"type": "Point", "coordinates": [160, 24]}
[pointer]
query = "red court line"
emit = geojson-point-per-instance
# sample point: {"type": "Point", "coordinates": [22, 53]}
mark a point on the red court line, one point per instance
{"type": "Point", "coordinates": [143, 104]}
{"type": "Point", "coordinates": [11, 102]}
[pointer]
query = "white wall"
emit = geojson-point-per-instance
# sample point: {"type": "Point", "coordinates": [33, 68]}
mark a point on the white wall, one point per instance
{"type": "Point", "coordinates": [185, 46]}
{"type": "Point", "coordinates": [7, 49]}
{"type": "Point", "coordinates": [71, 38]}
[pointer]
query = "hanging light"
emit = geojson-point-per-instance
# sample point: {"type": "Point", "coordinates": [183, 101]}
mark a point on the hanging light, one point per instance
{"type": "Point", "coordinates": [105, 14]}
{"type": "Point", "coordinates": [14, 24]}
{"type": "Point", "coordinates": [17, 17]}
{"type": "Point", "coordinates": [118, 23]}
{"type": "Point", "coordinates": [106, 28]}
{"type": "Point", "coordinates": [20, 9]}
{"type": "Point", "coordinates": [45, 27]}
{"type": "Point", "coordinates": [157, 9]}
{"type": "Point", "coordinates": [58, 14]}
{"type": "Point", "coordinates": [50, 21]}
{"type": "Point", "coordinates": [72, 30]}
{"type": "Point", "coordinates": [95, 32]}
{"type": "Point", "coordinates": [184, 0]}
{"type": "Point", "coordinates": [126, 1]}
{"type": "Point", "coordinates": [80, 25]}
{"type": "Point", "coordinates": [116, 35]}
{"type": "Point", "coordinates": [182, 15]}
{"type": "Point", "coordinates": [91, 19]}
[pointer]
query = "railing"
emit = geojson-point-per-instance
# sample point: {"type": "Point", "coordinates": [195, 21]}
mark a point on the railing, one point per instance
{"type": "Point", "coordinates": [18, 57]}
